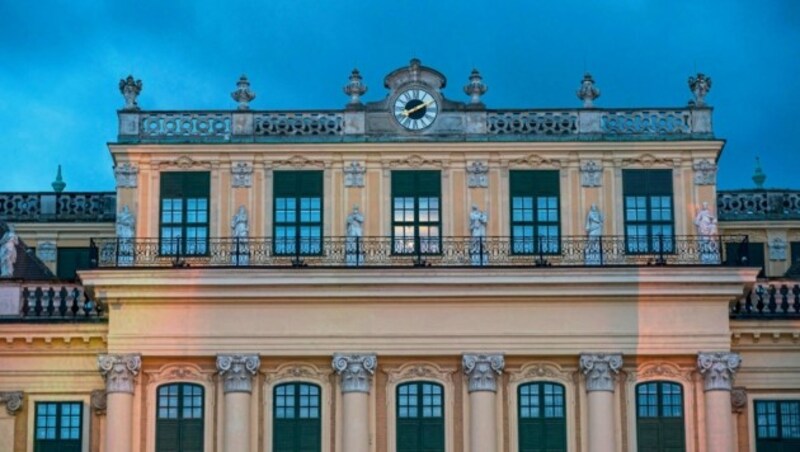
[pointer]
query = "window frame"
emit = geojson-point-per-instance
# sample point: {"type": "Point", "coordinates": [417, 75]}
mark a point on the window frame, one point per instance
{"type": "Point", "coordinates": [542, 419]}
{"type": "Point", "coordinates": [186, 186]}
{"type": "Point", "coordinates": [660, 418]}
{"type": "Point", "coordinates": [417, 185]}
{"type": "Point", "coordinates": [295, 420]}
{"type": "Point", "coordinates": [40, 444]}
{"type": "Point", "coordinates": [794, 399]}
{"type": "Point", "coordinates": [538, 185]}
{"type": "Point", "coordinates": [419, 420]}
{"type": "Point", "coordinates": [650, 184]}
{"type": "Point", "coordinates": [179, 420]}
{"type": "Point", "coordinates": [298, 185]}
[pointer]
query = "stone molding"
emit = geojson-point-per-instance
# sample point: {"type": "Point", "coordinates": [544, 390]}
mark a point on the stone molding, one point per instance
{"type": "Point", "coordinates": [600, 370]}
{"type": "Point", "coordinates": [777, 249]}
{"type": "Point", "coordinates": [420, 371]}
{"type": "Point", "coordinates": [738, 399]}
{"type": "Point", "coordinates": [295, 371]}
{"type": "Point", "coordinates": [354, 174]}
{"type": "Point", "coordinates": [178, 372]}
{"type": "Point", "coordinates": [99, 401]}
{"type": "Point", "coordinates": [718, 368]}
{"type": "Point", "coordinates": [534, 161]}
{"type": "Point", "coordinates": [478, 174]}
{"type": "Point", "coordinates": [12, 400]}
{"type": "Point", "coordinates": [355, 371]}
{"type": "Point", "coordinates": [660, 370]}
{"type": "Point", "coordinates": [242, 173]}
{"type": "Point", "coordinates": [119, 371]}
{"type": "Point", "coordinates": [47, 251]}
{"type": "Point", "coordinates": [126, 175]}
{"type": "Point", "coordinates": [237, 372]}
{"type": "Point", "coordinates": [705, 172]}
{"type": "Point", "coordinates": [184, 162]}
{"type": "Point", "coordinates": [591, 173]}
{"type": "Point", "coordinates": [483, 370]}
{"type": "Point", "coordinates": [540, 371]}
{"type": "Point", "coordinates": [295, 161]}
{"type": "Point", "coordinates": [416, 161]}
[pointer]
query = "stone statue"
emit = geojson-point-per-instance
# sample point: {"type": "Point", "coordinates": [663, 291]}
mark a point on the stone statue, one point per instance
{"type": "Point", "coordinates": [8, 253]}
{"type": "Point", "coordinates": [594, 230]}
{"type": "Point", "coordinates": [706, 225]}
{"type": "Point", "coordinates": [477, 228]}
{"type": "Point", "coordinates": [243, 94]}
{"type": "Point", "coordinates": [588, 92]}
{"type": "Point", "coordinates": [355, 224]}
{"type": "Point", "coordinates": [130, 90]}
{"type": "Point", "coordinates": [700, 87]}
{"type": "Point", "coordinates": [354, 249]}
{"type": "Point", "coordinates": [126, 230]}
{"type": "Point", "coordinates": [240, 231]}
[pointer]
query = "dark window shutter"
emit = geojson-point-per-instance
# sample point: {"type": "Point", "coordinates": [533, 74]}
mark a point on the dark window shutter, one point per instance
{"type": "Point", "coordinates": [662, 428]}
{"type": "Point", "coordinates": [183, 432]}
{"type": "Point", "coordinates": [294, 432]}
{"type": "Point", "coordinates": [419, 433]}
{"type": "Point", "coordinates": [541, 431]}
{"type": "Point", "coordinates": [70, 260]}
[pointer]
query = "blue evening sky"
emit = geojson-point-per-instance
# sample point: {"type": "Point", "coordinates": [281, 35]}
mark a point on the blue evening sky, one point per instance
{"type": "Point", "coordinates": [61, 61]}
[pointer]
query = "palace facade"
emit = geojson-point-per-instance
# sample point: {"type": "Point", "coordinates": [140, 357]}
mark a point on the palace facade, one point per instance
{"type": "Point", "coordinates": [412, 274]}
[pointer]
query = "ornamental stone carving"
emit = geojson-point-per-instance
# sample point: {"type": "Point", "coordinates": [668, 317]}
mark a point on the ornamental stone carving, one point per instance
{"type": "Point", "coordinates": [475, 88]}
{"type": "Point", "coordinates": [119, 371]}
{"type": "Point", "coordinates": [99, 401]}
{"type": "Point", "coordinates": [237, 372]}
{"type": "Point", "coordinates": [477, 174]}
{"type": "Point", "coordinates": [600, 370]}
{"type": "Point", "coordinates": [738, 399]}
{"type": "Point", "coordinates": [718, 369]}
{"type": "Point", "coordinates": [355, 88]}
{"type": "Point", "coordinates": [243, 95]}
{"type": "Point", "coordinates": [354, 174]}
{"type": "Point", "coordinates": [591, 173]}
{"type": "Point", "coordinates": [126, 175]}
{"type": "Point", "coordinates": [46, 251]}
{"type": "Point", "coordinates": [242, 173]}
{"type": "Point", "coordinates": [700, 87]}
{"type": "Point", "coordinates": [130, 90]}
{"type": "Point", "coordinates": [8, 252]}
{"type": "Point", "coordinates": [13, 401]}
{"type": "Point", "coordinates": [777, 249]}
{"type": "Point", "coordinates": [483, 370]}
{"type": "Point", "coordinates": [588, 92]}
{"type": "Point", "coordinates": [705, 172]}
{"type": "Point", "coordinates": [355, 371]}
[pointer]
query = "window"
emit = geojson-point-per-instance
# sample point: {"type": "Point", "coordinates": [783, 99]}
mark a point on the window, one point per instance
{"type": "Point", "coordinates": [297, 212]}
{"type": "Point", "coordinates": [648, 211]}
{"type": "Point", "coordinates": [58, 427]}
{"type": "Point", "coordinates": [416, 212]}
{"type": "Point", "coordinates": [751, 256]}
{"type": "Point", "coordinates": [659, 417]}
{"type": "Point", "coordinates": [296, 418]}
{"type": "Point", "coordinates": [184, 213]}
{"type": "Point", "coordinates": [179, 420]}
{"type": "Point", "coordinates": [542, 417]}
{"type": "Point", "coordinates": [420, 417]}
{"type": "Point", "coordinates": [534, 212]}
{"type": "Point", "coordinates": [777, 425]}
{"type": "Point", "coordinates": [70, 260]}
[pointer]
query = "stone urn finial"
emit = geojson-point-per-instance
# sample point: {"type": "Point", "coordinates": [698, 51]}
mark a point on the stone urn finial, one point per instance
{"type": "Point", "coordinates": [59, 185]}
{"type": "Point", "coordinates": [588, 92]}
{"type": "Point", "coordinates": [759, 177]}
{"type": "Point", "coordinates": [243, 95]}
{"type": "Point", "coordinates": [700, 86]}
{"type": "Point", "coordinates": [355, 88]}
{"type": "Point", "coordinates": [475, 88]}
{"type": "Point", "coordinates": [130, 90]}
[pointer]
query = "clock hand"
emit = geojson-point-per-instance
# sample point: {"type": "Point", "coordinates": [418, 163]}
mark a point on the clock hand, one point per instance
{"type": "Point", "coordinates": [418, 107]}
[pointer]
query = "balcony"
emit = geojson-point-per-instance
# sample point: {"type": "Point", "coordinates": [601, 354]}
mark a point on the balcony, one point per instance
{"type": "Point", "coordinates": [57, 207]}
{"type": "Point", "coordinates": [758, 205]}
{"type": "Point", "coordinates": [45, 302]}
{"type": "Point", "coordinates": [778, 300]}
{"type": "Point", "coordinates": [445, 252]}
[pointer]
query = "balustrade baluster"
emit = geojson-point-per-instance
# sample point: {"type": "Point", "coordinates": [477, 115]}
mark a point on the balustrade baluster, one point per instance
{"type": "Point", "coordinates": [796, 304]}
{"type": "Point", "coordinates": [773, 305]}
{"type": "Point", "coordinates": [760, 304]}
{"type": "Point", "coordinates": [38, 306]}
{"type": "Point", "coordinates": [62, 301]}
{"type": "Point", "coordinates": [26, 306]}
{"type": "Point", "coordinates": [784, 298]}
{"type": "Point", "coordinates": [74, 305]}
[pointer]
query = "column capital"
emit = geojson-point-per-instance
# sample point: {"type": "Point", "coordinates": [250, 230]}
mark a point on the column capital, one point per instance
{"type": "Point", "coordinates": [483, 370]}
{"type": "Point", "coordinates": [119, 371]}
{"type": "Point", "coordinates": [13, 401]}
{"type": "Point", "coordinates": [355, 371]}
{"type": "Point", "coordinates": [237, 372]}
{"type": "Point", "coordinates": [600, 370]}
{"type": "Point", "coordinates": [718, 369]}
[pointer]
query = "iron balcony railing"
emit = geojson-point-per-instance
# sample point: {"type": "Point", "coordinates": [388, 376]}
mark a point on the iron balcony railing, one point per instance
{"type": "Point", "coordinates": [22, 207]}
{"type": "Point", "coordinates": [424, 252]}
{"type": "Point", "coordinates": [769, 301]}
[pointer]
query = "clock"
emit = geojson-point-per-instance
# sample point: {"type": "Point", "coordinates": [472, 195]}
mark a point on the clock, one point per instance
{"type": "Point", "coordinates": [415, 109]}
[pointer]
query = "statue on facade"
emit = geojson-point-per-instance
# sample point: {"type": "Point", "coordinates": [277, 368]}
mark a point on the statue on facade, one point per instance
{"type": "Point", "coordinates": [700, 87]}
{"type": "Point", "coordinates": [354, 248]}
{"type": "Point", "coordinates": [706, 225]}
{"type": "Point", "coordinates": [8, 253]}
{"type": "Point", "coordinates": [594, 231]}
{"type": "Point", "coordinates": [130, 90]}
{"type": "Point", "coordinates": [477, 228]}
{"type": "Point", "coordinates": [126, 230]}
{"type": "Point", "coordinates": [588, 92]}
{"type": "Point", "coordinates": [240, 232]}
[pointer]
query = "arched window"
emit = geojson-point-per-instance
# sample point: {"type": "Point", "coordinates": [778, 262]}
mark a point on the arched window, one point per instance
{"type": "Point", "coordinates": [296, 418]}
{"type": "Point", "coordinates": [420, 417]}
{"type": "Point", "coordinates": [659, 417]}
{"type": "Point", "coordinates": [542, 417]}
{"type": "Point", "coordinates": [179, 418]}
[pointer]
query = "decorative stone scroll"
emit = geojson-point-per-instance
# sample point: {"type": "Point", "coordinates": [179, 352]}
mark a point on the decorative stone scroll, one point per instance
{"type": "Point", "coordinates": [99, 401]}
{"type": "Point", "coordinates": [482, 371]}
{"type": "Point", "coordinates": [591, 173]}
{"type": "Point", "coordinates": [46, 251]}
{"type": "Point", "coordinates": [13, 401]}
{"type": "Point", "coordinates": [777, 249]}
{"type": "Point", "coordinates": [354, 174]}
{"type": "Point", "coordinates": [478, 174]}
{"type": "Point", "coordinates": [126, 175]}
{"type": "Point", "coordinates": [718, 369]}
{"type": "Point", "coordinates": [237, 372]}
{"type": "Point", "coordinates": [600, 370]}
{"type": "Point", "coordinates": [355, 371]}
{"type": "Point", "coordinates": [119, 371]}
{"type": "Point", "coordinates": [705, 172]}
{"type": "Point", "coordinates": [242, 173]}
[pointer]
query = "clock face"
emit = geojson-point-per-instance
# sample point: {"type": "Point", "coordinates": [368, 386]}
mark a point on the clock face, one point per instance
{"type": "Point", "coordinates": [415, 109]}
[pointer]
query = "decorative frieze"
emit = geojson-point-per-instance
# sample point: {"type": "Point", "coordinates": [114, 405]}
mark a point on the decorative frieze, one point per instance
{"type": "Point", "coordinates": [478, 174]}
{"type": "Point", "coordinates": [483, 370]}
{"type": "Point", "coordinates": [591, 173]}
{"type": "Point", "coordinates": [705, 172]}
{"type": "Point", "coordinates": [354, 174]}
{"type": "Point", "coordinates": [777, 249]}
{"type": "Point", "coordinates": [12, 400]}
{"type": "Point", "coordinates": [119, 371]}
{"type": "Point", "coordinates": [126, 175]}
{"type": "Point", "coordinates": [237, 372]}
{"type": "Point", "coordinates": [600, 370]}
{"type": "Point", "coordinates": [718, 368]}
{"type": "Point", "coordinates": [46, 251]}
{"type": "Point", "coordinates": [242, 175]}
{"type": "Point", "coordinates": [99, 401]}
{"type": "Point", "coordinates": [355, 371]}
